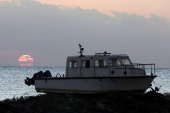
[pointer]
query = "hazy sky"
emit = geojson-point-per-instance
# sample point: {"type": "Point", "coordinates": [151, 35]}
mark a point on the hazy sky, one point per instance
{"type": "Point", "coordinates": [50, 33]}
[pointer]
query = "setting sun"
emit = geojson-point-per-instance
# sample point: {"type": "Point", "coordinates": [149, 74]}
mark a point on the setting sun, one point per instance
{"type": "Point", "coordinates": [25, 60]}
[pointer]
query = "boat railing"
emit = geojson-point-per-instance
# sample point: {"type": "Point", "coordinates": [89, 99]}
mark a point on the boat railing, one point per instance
{"type": "Point", "coordinates": [125, 67]}
{"type": "Point", "coordinates": [144, 66]}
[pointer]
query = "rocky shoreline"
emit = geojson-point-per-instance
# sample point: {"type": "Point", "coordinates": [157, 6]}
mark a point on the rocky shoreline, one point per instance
{"type": "Point", "coordinates": [115, 102]}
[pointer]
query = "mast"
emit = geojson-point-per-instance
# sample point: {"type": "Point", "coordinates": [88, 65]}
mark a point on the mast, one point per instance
{"type": "Point", "coordinates": [81, 51]}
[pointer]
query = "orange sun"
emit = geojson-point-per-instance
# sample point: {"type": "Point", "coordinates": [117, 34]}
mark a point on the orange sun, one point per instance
{"type": "Point", "coordinates": [25, 60]}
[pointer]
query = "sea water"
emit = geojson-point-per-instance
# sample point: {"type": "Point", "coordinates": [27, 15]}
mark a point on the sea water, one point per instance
{"type": "Point", "coordinates": [12, 80]}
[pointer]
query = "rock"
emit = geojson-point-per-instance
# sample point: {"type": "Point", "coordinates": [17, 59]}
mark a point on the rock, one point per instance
{"type": "Point", "coordinates": [117, 102]}
{"type": "Point", "coordinates": [110, 110]}
{"type": "Point", "coordinates": [100, 106]}
{"type": "Point", "coordinates": [8, 111]}
{"type": "Point", "coordinates": [68, 108]}
{"type": "Point", "coordinates": [164, 111]}
{"type": "Point", "coordinates": [27, 108]}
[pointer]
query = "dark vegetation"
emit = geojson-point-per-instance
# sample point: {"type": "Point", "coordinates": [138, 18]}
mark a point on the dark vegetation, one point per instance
{"type": "Point", "coordinates": [116, 102]}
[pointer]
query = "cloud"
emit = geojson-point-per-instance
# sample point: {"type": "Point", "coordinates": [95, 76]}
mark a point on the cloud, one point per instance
{"type": "Point", "coordinates": [51, 33]}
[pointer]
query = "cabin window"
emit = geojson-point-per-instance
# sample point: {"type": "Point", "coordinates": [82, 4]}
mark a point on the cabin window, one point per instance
{"type": "Point", "coordinates": [114, 62]}
{"type": "Point", "coordinates": [86, 64]}
{"type": "Point", "coordinates": [126, 61]}
{"type": "Point", "coordinates": [72, 64]}
{"type": "Point", "coordinates": [100, 63]}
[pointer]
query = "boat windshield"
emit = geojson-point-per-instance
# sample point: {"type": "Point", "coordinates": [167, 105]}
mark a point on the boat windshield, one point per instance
{"type": "Point", "coordinates": [126, 61]}
{"type": "Point", "coordinates": [114, 62]}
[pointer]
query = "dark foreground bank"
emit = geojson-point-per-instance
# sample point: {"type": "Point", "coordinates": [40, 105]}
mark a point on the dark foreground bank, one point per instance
{"type": "Point", "coordinates": [116, 102]}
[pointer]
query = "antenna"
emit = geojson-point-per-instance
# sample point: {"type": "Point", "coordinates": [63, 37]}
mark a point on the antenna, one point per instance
{"type": "Point", "coordinates": [81, 51]}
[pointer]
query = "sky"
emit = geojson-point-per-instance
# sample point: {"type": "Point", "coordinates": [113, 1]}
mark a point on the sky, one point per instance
{"type": "Point", "coordinates": [49, 31]}
{"type": "Point", "coordinates": [140, 7]}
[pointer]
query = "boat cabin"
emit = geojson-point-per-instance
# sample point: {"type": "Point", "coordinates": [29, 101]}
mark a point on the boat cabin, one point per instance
{"type": "Point", "coordinates": [102, 65]}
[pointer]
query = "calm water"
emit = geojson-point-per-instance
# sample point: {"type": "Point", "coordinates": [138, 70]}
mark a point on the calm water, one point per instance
{"type": "Point", "coordinates": [12, 80]}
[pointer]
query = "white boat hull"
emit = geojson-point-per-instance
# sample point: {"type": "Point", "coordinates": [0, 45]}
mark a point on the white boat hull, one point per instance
{"type": "Point", "coordinates": [93, 85]}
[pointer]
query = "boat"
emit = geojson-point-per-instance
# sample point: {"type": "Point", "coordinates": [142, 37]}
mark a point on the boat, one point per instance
{"type": "Point", "coordinates": [98, 73]}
